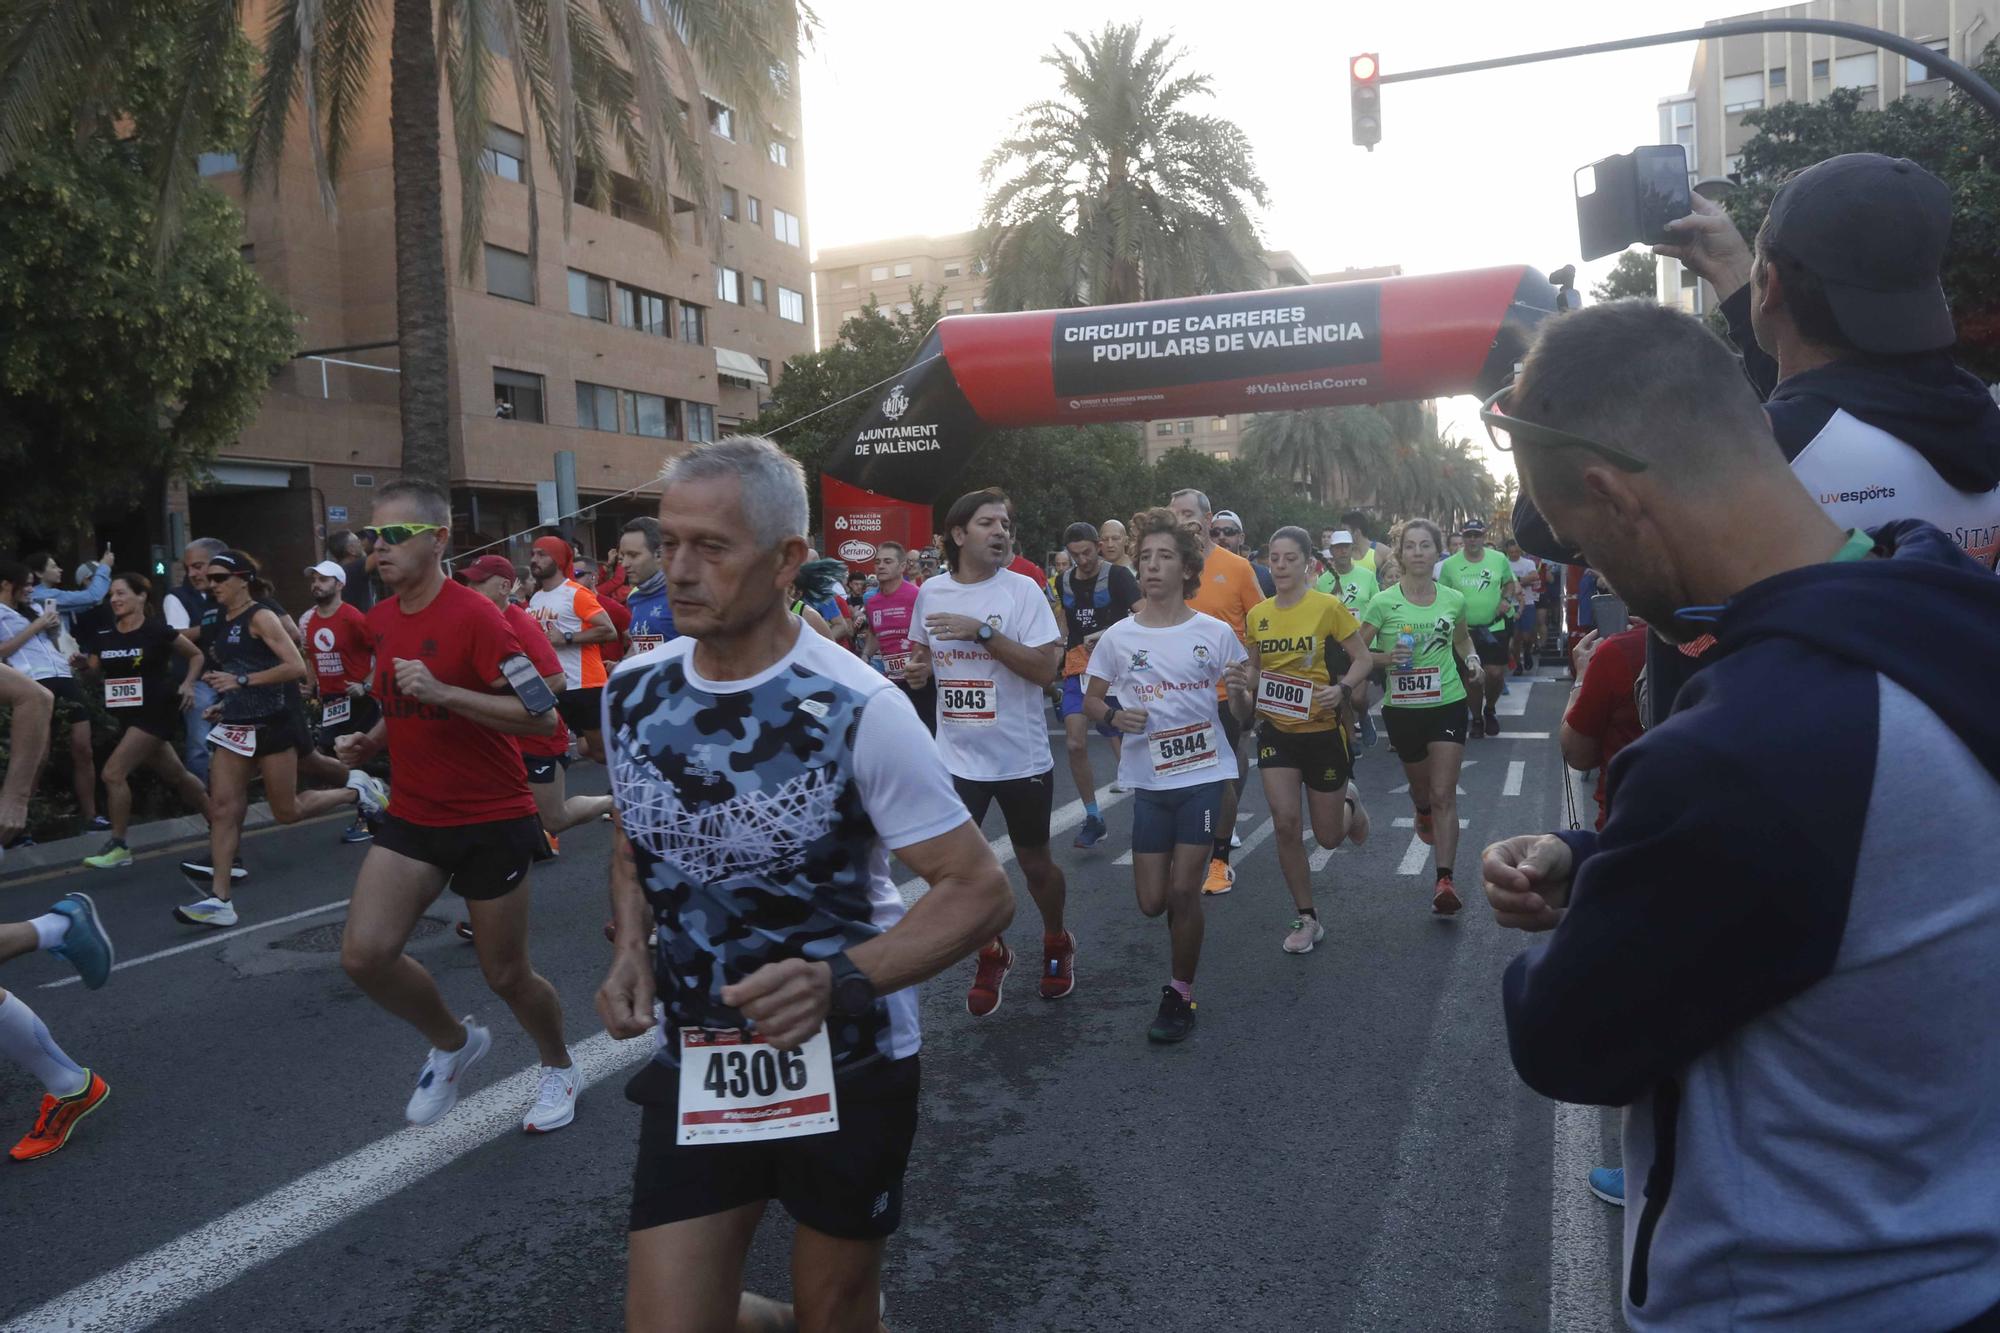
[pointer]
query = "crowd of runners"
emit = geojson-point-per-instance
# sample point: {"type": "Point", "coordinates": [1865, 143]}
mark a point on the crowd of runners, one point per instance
{"type": "Point", "coordinates": [776, 729]}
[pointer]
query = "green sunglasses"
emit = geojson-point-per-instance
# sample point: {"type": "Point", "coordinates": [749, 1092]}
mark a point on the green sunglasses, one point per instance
{"type": "Point", "coordinates": [397, 533]}
{"type": "Point", "coordinates": [1502, 429]}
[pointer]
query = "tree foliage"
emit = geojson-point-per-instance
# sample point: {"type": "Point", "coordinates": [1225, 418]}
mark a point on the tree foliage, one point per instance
{"type": "Point", "coordinates": [1632, 276]}
{"type": "Point", "coordinates": [123, 363]}
{"type": "Point", "coordinates": [1952, 137]}
{"type": "Point", "coordinates": [1114, 191]}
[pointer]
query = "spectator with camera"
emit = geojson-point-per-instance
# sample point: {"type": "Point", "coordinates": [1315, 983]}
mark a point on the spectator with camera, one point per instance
{"type": "Point", "coordinates": [1771, 957]}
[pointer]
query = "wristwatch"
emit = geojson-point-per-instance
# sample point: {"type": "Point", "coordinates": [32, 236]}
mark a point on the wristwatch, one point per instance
{"type": "Point", "coordinates": [242, 681]}
{"type": "Point", "coordinates": [569, 637]}
{"type": "Point", "coordinates": [853, 992]}
{"type": "Point", "coordinates": [986, 634]}
{"type": "Point", "coordinates": [1111, 717]}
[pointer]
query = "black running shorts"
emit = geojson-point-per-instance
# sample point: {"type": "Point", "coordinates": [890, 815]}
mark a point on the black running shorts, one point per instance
{"type": "Point", "coordinates": [1025, 803]}
{"type": "Point", "coordinates": [481, 861]}
{"type": "Point", "coordinates": [1321, 757]}
{"type": "Point", "coordinates": [1412, 730]}
{"type": "Point", "coordinates": [847, 1184]}
{"type": "Point", "coordinates": [583, 710]}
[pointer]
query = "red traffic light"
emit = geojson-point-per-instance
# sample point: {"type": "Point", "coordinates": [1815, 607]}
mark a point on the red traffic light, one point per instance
{"type": "Point", "coordinates": [1364, 68]}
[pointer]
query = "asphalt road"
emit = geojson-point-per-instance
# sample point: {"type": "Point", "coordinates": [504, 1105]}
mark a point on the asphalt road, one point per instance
{"type": "Point", "coordinates": [1341, 1145]}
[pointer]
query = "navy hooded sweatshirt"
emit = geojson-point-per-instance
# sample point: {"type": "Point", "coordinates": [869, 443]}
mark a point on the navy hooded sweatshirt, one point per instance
{"type": "Point", "coordinates": [1782, 958]}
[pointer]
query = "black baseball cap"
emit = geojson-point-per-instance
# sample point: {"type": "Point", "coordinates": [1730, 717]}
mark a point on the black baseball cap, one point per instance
{"type": "Point", "coordinates": [1472, 527]}
{"type": "Point", "coordinates": [1873, 230]}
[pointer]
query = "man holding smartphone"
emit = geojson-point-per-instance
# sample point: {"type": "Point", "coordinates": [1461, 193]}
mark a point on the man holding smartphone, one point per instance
{"type": "Point", "coordinates": [460, 814]}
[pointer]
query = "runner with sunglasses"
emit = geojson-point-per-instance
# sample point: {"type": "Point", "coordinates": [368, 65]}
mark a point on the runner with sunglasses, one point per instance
{"type": "Point", "coordinates": [1418, 626]}
{"type": "Point", "coordinates": [456, 691]}
{"type": "Point", "coordinates": [1166, 663]}
{"type": "Point", "coordinates": [255, 670]}
{"type": "Point", "coordinates": [1297, 640]}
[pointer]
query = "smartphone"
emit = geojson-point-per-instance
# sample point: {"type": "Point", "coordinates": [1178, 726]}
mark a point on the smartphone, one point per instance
{"type": "Point", "coordinates": [1609, 612]}
{"type": "Point", "coordinates": [1630, 198]}
{"type": "Point", "coordinates": [528, 685]}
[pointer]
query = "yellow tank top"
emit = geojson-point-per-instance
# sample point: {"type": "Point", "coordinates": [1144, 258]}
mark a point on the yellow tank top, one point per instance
{"type": "Point", "coordinates": [1367, 560]}
{"type": "Point", "coordinates": [1293, 646]}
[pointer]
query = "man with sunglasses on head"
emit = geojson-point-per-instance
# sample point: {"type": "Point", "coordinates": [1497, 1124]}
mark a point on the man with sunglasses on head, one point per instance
{"type": "Point", "coordinates": [455, 691]}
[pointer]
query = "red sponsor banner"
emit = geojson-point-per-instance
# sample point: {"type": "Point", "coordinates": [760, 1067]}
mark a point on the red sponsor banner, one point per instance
{"type": "Point", "coordinates": [855, 522]}
{"type": "Point", "coordinates": [745, 1115]}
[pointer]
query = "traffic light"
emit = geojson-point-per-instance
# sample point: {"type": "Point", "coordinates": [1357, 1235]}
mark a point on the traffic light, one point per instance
{"type": "Point", "coordinates": [158, 562]}
{"type": "Point", "coordinates": [1364, 74]}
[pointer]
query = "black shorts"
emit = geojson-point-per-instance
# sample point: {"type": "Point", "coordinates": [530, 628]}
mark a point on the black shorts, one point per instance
{"type": "Point", "coordinates": [1492, 649]}
{"type": "Point", "coordinates": [362, 715]}
{"type": "Point", "coordinates": [583, 710]}
{"type": "Point", "coordinates": [1321, 757]}
{"type": "Point", "coordinates": [71, 707]}
{"type": "Point", "coordinates": [924, 699]}
{"type": "Point", "coordinates": [159, 723]}
{"type": "Point", "coordinates": [481, 861]}
{"type": "Point", "coordinates": [847, 1184]}
{"type": "Point", "coordinates": [1025, 803]}
{"type": "Point", "coordinates": [1232, 731]}
{"type": "Point", "coordinates": [542, 768]}
{"type": "Point", "coordinates": [275, 734]}
{"type": "Point", "coordinates": [1411, 730]}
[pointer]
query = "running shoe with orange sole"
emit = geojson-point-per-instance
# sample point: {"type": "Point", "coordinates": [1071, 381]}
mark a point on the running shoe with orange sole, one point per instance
{"type": "Point", "coordinates": [1221, 877]}
{"type": "Point", "coordinates": [1058, 966]}
{"type": "Point", "coordinates": [996, 960]}
{"type": "Point", "coordinates": [1444, 899]}
{"type": "Point", "coordinates": [59, 1118]}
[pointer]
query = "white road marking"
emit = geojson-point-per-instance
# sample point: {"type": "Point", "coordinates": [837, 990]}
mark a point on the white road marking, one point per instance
{"type": "Point", "coordinates": [1124, 858]}
{"type": "Point", "coordinates": [1408, 822]}
{"type": "Point", "coordinates": [222, 937]}
{"type": "Point", "coordinates": [1516, 768]}
{"type": "Point", "coordinates": [1253, 841]}
{"type": "Point", "coordinates": [1413, 859]}
{"type": "Point", "coordinates": [1515, 701]}
{"type": "Point", "coordinates": [1582, 1271]}
{"type": "Point", "coordinates": [1518, 736]}
{"type": "Point", "coordinates": [1062, 821]}
{"type": "Point", "coordinates": [1404, 790]}
{"type": "Point", "coordinates": [154, 1286]}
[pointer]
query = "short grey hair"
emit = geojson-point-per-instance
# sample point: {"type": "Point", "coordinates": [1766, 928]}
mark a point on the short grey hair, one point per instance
{"type": "Point", "coordinates": [1199, 497]}
{"type": "Point", "coordinates": [209, 547]}
{"type": "Point", "coordinates": [774, 485]}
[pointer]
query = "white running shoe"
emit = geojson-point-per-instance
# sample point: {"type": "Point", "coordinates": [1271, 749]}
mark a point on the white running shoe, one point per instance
{"type": "Point", "coordinates": [1306, 931]}
{"type": "Point", "coordinates": [443, 1075]}
{"type": "Point", "coordinates": [373, 794]}
{"type": "Point", "coordinates": [208, 912]}
{"type": "Point", "coordinates": [555, 1101]}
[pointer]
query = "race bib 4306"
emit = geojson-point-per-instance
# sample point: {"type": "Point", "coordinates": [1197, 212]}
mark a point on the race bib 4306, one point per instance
{"type": "Point", "coordinates": [735, 1088]}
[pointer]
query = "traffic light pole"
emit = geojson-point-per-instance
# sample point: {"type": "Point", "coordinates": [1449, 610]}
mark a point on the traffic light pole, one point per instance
{"type": "Point", "coordinates": [1978, 89]}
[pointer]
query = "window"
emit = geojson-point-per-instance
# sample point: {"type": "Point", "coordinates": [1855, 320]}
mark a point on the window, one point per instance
{"type": "Point", "coordinates": [1916, 71]}
{"type": "Point", "coordinates": [700, 421]}
{"type": "Point", "coordinates": [642, 310]}
{"type": "Point", "coordinates": [505, 152]}
{"type": "Point", "coordinates": [248, 253]}
{"type": "Point", "coordinates": [509, 274]}
{"type": "Point", "coordinates": [785, 226]}
{"type": "Point", "coordinates": [1677, 126]}
{"type": "Point", "coordinates": [721, 119]}
{"type": "Point", "coordinates": [781, 152]}
{"type": "Point", "coordinates": [1163, 428]}
{"type": "Point", "coordinates": [753, 211]}
{"type": "Point", "coordinates": [905, 308]}
{"type": "Point", "coordinates": [764, 364]}
{"type": "Point", "coordinates": [589, 296]}
{"type": "Point", "coordinates": [729, 203]}
{"type": "Point", "coordinates": [902, 270]}
{"type": "Point", "coordinates": [880, 273]}
{"type": "Point", "coordinates": [1222, 455]}
{"type": "Point", "coordinates": [1742, 92]}
{"type": "Point", "coordinates": [1855, 71]}
{"type": "Point", "coordinates": [846, 315]}
{"type": "Point", "coordinates": [1820, 68]}
{"type": "Point", "coordinates": [1186, 427]}
{"type": "Point", "coordinates": [517, 395]}
{"type": "Point", "coordinates": [1777, 77]}
{"type": "Point", "coordinates": [645, 414]}
{"type": "Point", "coordinates": [692, 323]}
{"type": "Point", "coordinates": [1219, 423]}
{"type": "Point", "coordinates": [596, 407]}
{"type": "Point", "coordinates": [978, 303]}
{"type": "Point", "coordinates": [729, 285]}
{"type": "Point", "coordinates": [954, 307]}
{"type": "Point", "coordinates": [953, 269]}
{"type": "Point", "coordinates": [757, 294]}
{"type": "Point", "coordinates": [215, 164]}
{"type": "Point", "coordinates": [791, 305]}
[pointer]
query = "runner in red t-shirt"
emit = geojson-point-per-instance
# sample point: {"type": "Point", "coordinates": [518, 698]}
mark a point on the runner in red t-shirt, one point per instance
{"type": "Point", "coordinates": [339, 653]}
{"type": "Point", "coordinates": [460, 813]}
{"type": "Point", "coordinates": [1603, 713]}
{"type": "Point", "coordinates": [492, 577]}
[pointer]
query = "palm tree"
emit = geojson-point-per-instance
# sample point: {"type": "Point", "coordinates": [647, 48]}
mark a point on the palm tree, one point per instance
{"type": "Point", "coordinates": [596, 73]}
{"type": "Point", "coordinates": [1328, 451]}
{"type": "Point", "coordinates": [1114, 191]}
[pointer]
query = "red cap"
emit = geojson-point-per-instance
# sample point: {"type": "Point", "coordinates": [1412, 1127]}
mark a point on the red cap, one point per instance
{"type": "Point", "coordinates": [486, 567]}
{"type": "Point", "coordinates": [558, 550]}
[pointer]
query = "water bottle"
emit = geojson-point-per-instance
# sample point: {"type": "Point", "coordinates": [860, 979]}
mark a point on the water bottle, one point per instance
{"type": "Point", "coordinates": [1406, 648]}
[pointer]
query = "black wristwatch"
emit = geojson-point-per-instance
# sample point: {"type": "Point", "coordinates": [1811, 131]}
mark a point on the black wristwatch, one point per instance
{"type": "Point", "coordinates": [853, 992]}
{"type": "Point", "coordinates": [569, 637]}
{"type": "Point", "coordinates": [242, 681]}
{"type": "Point", "coordinates": [986, 634]}
{"type": "Point", "coordinates": [1111, 717]}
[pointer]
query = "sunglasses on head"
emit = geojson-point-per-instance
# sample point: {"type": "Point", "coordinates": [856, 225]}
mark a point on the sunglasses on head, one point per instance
{"type": "Point", "coordinates": [1505, 431]}
{"type": "Point", "coordinates": [397, 533]}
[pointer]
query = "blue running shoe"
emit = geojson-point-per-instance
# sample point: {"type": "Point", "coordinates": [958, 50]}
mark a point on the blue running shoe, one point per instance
{"type": "Point", "coordinates": [1092, 831]}
{"type": "Point", "coordinates": [358, 831]}
{"type": "Point", "coordinates": [85, 947]}
{"type": "Point", "coordinates": [1608, 1184]}
{"type": "Point", "coordinates": [1368, 730]}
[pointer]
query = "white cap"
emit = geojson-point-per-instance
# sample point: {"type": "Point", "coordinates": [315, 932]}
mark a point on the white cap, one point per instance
{"type": "Point", "coordinates": [1342, 537]}
{"type": "Point", "coordinates": [327, 569]}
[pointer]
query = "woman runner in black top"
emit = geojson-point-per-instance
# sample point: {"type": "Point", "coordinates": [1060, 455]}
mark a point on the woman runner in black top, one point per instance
{"type": "Point", "coordinates": [254, 670]}
{"type": "Point", "coordinates": [149, 675]}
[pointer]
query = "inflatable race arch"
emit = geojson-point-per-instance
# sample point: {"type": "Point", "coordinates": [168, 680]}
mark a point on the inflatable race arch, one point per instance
{"type": "Point", "coordinates": [1275, 349]}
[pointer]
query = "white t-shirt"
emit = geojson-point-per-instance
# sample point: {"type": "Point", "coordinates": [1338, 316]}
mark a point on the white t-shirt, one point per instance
{"type": "Point", "coordinates": [1173, 674]}
{"type": "Point", "coordinates": [568, 607]}
{"type": "Point", "coordinates": [990, 721]}
{"type": "Point", "coordinates": [1527, 573]}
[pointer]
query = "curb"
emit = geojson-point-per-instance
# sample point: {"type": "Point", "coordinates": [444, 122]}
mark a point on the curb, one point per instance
{"type": "Point", "coordinates": [159, 835]}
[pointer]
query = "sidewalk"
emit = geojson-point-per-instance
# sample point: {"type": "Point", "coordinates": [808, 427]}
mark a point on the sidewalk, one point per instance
{"type": "Point", "coordinates": [188, 830]}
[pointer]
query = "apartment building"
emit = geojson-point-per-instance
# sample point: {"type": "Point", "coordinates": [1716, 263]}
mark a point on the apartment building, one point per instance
{"type": "Point", "coordinates": [594, 336]}
{"type": "Point", "coordinates": [1733, 76]}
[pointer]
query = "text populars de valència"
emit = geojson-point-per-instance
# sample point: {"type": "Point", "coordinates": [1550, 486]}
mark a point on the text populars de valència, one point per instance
{"type": "Point", "coordinates": [1198, 335]}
